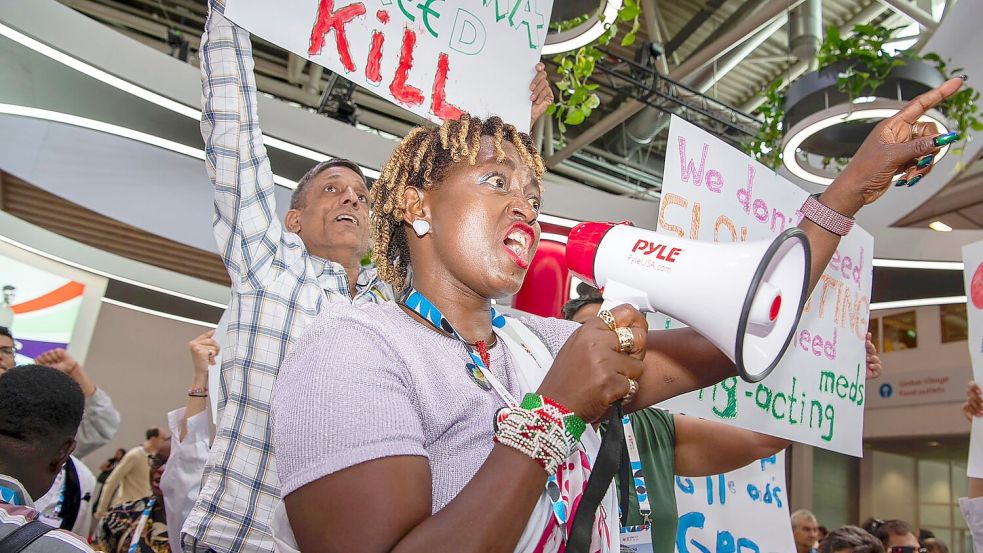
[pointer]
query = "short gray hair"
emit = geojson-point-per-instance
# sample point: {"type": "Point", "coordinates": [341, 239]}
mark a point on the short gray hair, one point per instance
{"type": "Point", "coordinates": [802, 514]}
{"type": "Point", "coordinates": [851, 538]}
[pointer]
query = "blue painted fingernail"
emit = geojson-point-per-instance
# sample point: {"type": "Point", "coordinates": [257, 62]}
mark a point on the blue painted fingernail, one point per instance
{"type": "Point", "coordinates": [901, 182]}
{"type": "Point", "coordinates": [914, 180]}
{"type": "Point", "coordinates": [944, 139]}
{"type": "Point", "coordinates": [925, 161]}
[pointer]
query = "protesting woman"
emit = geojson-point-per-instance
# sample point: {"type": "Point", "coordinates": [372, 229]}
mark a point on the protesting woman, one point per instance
{"type": "Point", "coordinates": [436, 424]}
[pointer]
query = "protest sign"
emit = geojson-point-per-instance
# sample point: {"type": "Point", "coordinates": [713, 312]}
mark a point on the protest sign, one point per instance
{"type": "Point", "coordinates": [973, 278]}
{"type": "Point", "coordinates": [433, 58]}
{"type": "Point", "coordinates": [714, 192]}
{"type": "Point", "coordinates": [742, 510]}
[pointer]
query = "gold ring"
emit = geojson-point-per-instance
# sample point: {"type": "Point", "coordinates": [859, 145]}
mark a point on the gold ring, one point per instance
{"type": "Point", "coordinates": [626, 340]}
{"type": "Point", "coordinates": [916, 130]}
{"type": "Point", "coordinates": [632, 390]}
{"type": "Point", "coordinates": [608, 319]}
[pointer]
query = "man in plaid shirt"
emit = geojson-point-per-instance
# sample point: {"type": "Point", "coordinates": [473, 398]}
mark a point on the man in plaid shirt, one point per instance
{"type": "Point", "coordinates": [281, 277]}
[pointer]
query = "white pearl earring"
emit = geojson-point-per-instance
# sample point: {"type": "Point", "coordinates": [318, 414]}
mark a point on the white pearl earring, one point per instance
{"type": "Point", "coordinates": [421, 227]}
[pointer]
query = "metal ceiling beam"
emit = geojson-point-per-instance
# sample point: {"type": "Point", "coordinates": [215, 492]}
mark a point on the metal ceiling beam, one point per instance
{"type": "Point", "coordinates": [651, 16]}
{"type": "Point", "coordinates": [799, 68]}
{"type": "Point", "coordinates": [693, 24]}
{"type": "Point", "coordinates": [726, 64]}
{"type": "Point", "coordinates": [729, 40]}
{"type": "Point", "coordinates": [740, 14]}
{"type": "Point", "coordinates": [725, 42]}
{"type": "Point", "coordinates": [914, 13]}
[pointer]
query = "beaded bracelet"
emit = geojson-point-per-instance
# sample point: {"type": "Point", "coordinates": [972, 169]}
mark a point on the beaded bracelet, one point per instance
{"type": "Point", "coordinates": [540, 428]}
{"type": "Point", "coordinates": [556, 413]}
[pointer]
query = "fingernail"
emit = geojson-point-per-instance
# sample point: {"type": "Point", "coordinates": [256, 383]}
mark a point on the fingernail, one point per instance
{"type": "Point", "coordinates": [914, 180]}
{"type": "Point", "coordinates": [944, 139]}
{"type": "Point", "coordinates": [925, 161]}
{"type": "Point", "coordinates": [901, 182]}
{"type": "Point", "coordinates": [963, 76]}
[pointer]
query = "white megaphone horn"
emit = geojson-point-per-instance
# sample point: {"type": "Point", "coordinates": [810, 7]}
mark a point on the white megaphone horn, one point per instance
{"type": "Point", "coordinates": [745, 298]}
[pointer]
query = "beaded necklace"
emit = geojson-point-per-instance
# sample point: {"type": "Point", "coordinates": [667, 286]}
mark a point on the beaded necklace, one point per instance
{"type": "Point", "coordinates": [480, 360]}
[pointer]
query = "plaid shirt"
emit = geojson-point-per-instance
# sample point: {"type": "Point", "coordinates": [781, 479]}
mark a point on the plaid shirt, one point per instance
{"type": "Point", "coordinates": [278, 288]}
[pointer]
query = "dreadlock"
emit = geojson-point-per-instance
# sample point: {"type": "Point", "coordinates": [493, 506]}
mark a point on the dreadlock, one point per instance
{"type": "Point", "coordinates": [421, 160]}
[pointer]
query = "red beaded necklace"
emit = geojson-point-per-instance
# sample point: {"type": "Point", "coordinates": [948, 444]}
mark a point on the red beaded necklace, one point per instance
{"type": "Point", "coordinates": [483, 353]}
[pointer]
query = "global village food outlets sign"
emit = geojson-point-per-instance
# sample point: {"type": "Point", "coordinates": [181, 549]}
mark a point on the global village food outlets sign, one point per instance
{"type": "Point", "coordinates": [435, 58]}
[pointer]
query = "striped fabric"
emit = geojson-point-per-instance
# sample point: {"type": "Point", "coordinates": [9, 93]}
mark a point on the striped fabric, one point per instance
{"type": "Point", "coordinates": [277, 290]}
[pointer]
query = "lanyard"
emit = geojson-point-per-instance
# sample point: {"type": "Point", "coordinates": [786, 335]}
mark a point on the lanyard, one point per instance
{"type": "Point", "coordinates": [479, 373]}
{"type": "Point", "coordinates": [11, 496]}
{"type": "Point", "coordinates": [641, 491]}
{"type": "Point", "coordinates": [135, 541]}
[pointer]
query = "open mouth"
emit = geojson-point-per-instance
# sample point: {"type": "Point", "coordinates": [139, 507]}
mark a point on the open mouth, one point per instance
{"type": "Point", "coordinates": [347, 218]}
{"type": "Point", "coordinates": [518, 243]}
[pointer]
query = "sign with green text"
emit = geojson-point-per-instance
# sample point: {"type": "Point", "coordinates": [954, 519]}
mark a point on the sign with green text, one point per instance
{"type": "Point", "coordinates": [433, 57]}
{"type": "Point", "coordinates": [817, 393]}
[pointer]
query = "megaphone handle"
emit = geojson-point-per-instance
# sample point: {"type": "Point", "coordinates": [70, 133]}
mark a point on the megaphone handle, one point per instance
{"type": "Point", "coordinates": [616, 293]}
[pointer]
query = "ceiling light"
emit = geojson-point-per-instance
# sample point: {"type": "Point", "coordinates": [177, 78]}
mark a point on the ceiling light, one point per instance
{"type": "Point", "coordinates": [111, 276]}
{"type": "Point", "coordinates": [153, 97]}
{"type": "Point", "coordinates": [156, 313]}
{"type": "Point", "coordinates": [585, 33]}
{"type": "Point", "coordinates": [108, 128]}
{"type": "Point", "coordinates": [559, 221]}
{"type": "Point", "coordinates": [939, 226]}
{"type": "Point", "coordinates": [912, 264]}
{"type": "Point", "coordinates": [836, 115]}
{"type": "Point", "coordinates": [917, 302]}
{"type": "Point", "coordinates": [553, 237]}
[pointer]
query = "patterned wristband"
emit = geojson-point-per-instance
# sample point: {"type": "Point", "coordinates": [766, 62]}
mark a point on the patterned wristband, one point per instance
{"type": "Point", "coordinates": [556, 413]}
{"type": "Point", "coordinates": [543, 441]}
{"type": "Point", "coordinates": [198, 392]}
{"type": "Point", "coordinates": [826, 217]}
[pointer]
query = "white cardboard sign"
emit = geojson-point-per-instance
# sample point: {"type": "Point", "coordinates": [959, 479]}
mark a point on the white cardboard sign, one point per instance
{"type": "Point", "coordinates": [816, 395]}
{"type": "Point", "coordinates": [432, 57]}
{"type": "Point", "coordinates": [973, 278]}
{"type": "Point", "coordinates": [744, 510]}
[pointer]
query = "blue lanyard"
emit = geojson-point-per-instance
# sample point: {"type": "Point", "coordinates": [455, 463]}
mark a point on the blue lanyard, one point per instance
{"type": "Point", "coordinates": [419, 304]}
{"type": "Point", "coordinates": [138, 531]}
{"type": "Point", "coordinates": [11, 496]}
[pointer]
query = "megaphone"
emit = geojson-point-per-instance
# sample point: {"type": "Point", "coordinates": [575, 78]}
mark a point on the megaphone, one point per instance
{"type": "Point", "coordinates": [745, 298]}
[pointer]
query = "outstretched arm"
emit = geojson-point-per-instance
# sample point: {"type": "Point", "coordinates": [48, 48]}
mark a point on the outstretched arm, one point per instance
{"type": "Point", "coordinates": [245, 223]}
{"type": "Point", "coordinates": [681, 361]}
{"type": "Point", "coordinates": [101, 420]}
{"type": "Point", "coordinates": [705, 448]}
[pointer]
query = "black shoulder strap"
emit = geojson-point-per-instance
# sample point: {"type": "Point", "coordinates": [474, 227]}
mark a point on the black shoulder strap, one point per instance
{"type": "Point", "coordinates": [72, 498]}
{"type": "Point", "coordinates": [605, 468]}
{"type": "Point", "coordinates": [21, 538]}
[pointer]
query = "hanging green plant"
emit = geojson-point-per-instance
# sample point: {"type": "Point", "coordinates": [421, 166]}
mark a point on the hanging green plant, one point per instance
{"type": "Point", "coordinates": [868, 68]}
{"type": "Point", "coordinates": [577, 97]}
{"type": "Point", "coordinates": [766, 145]}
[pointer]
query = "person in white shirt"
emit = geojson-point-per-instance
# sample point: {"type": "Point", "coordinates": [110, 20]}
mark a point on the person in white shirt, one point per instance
{"type": "Point", "coordinates": [972, 505]}
{"type": "Point", "coordinates": [181, 480]}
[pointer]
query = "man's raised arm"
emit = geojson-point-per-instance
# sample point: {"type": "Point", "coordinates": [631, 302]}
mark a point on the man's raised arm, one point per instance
{"type": "Point", "coordinates": [246, 226]}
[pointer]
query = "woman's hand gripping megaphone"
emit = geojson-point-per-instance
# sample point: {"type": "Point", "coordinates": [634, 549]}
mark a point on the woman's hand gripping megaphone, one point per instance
{"type": "Point", "coordinates": [591, 371]}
